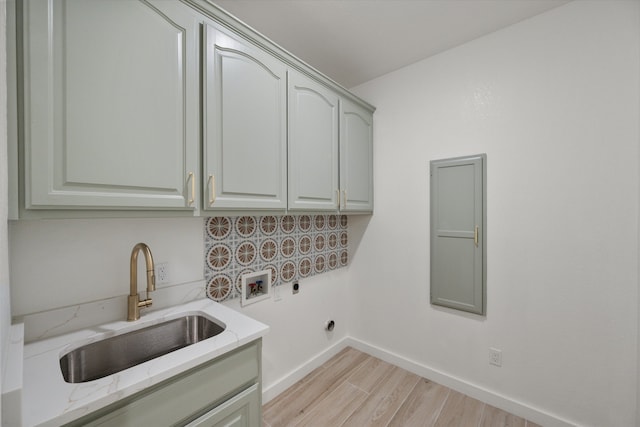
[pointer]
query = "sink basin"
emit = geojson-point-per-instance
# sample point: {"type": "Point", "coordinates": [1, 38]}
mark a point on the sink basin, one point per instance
{"type": "Point", "coordinates": [114, 354]}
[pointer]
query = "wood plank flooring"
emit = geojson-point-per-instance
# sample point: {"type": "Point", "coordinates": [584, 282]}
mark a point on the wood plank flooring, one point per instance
{"type": "Point", "coordinates": [356, 390]}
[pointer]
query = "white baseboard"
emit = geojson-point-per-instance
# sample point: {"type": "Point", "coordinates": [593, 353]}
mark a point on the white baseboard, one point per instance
{"type": "Point", "coordinates": [487, 396]}
{"type": "Point", "coordinates": [301, 371]}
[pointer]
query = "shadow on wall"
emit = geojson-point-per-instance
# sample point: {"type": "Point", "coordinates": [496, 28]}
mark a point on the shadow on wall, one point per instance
{"type": "Point", "coordinates": [357, 226]}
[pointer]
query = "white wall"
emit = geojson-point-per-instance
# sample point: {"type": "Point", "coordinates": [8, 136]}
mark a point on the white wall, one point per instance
{"type": "Point", "coordinates": [554, 102]}
{"type": "Point", "coordinates": [297, 335]}
{"type": "Point", "coordinates": [5, 308]}
{"type": "Point", "coordinates": [57, 263]}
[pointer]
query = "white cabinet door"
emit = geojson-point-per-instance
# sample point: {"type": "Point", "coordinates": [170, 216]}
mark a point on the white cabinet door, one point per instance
{"type": "Point", "coordinates": [245, 139]}
{"type": "Point", "coordinates": [356, 158]}
{"type": "Point", "coordinates": [110, 104]}
{"type": "Point", "coordinates": [313, 145]}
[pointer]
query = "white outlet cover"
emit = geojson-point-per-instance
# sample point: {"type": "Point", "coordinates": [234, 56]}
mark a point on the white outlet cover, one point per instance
{"type": "Point", "coordinates": [495, 357]}
{"type": "Point", "coordinates": [162, 273]}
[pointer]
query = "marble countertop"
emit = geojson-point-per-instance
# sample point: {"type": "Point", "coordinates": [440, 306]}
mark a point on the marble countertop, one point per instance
{"type": "Point", "coordinates": [49, 401]}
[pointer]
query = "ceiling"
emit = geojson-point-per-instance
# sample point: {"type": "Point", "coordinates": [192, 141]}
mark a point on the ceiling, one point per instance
{"type": "Point", "coordinates": [353, 41]}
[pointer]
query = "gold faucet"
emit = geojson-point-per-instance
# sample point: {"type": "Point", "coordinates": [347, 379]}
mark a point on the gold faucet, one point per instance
{"type": "Point", "coordinates": [134, 303]}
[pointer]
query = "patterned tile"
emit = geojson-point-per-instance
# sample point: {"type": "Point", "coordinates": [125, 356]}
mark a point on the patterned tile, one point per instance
{"type": "Point", "coordinates": [218, 228]}
{"type": "Point", "coordinates": [268, 225]}
{"type": "Point", "coordinates": [219, 287]}
{"type": "Point", "coordinates": [219, 257]}
{"type": "Point", "coordinates": [304, 223]}
{"type": "Point", "coordinates": [246, 226]}
{"type": "Point", "coordinates": [291, 246]}
{"type": "Point", "coordinates": [268, 250]}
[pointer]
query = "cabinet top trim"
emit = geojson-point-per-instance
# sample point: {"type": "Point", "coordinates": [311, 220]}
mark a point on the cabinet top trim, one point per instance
{"type": "Point", "coordinates": [224, 18]}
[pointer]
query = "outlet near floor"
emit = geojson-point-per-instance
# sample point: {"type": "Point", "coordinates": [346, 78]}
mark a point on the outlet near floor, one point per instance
{"type": "Point", "coordinates": [495, 357]}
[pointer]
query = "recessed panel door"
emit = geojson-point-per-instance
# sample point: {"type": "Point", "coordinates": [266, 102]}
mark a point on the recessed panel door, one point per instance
{"type": "Point", "coordinates": [245, 125]}
{"type": "Point", "coordinates": [313, 145]}
{"type": "Point", "coordinates": [458, 230]}
{"type": "Point", "coordinates": [356, 158]}
{"type": "Point", "coordinates": [110, 104]}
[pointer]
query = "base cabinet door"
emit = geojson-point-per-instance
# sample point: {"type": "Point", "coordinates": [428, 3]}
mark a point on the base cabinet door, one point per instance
{"type": "Point", "coordinates": [245, 133]}
{"type": "Point", "coordinates": [356, 158]}
{"type": "Point", "coordinates": [241, 411]}
{"type": "Point", "coordinates": [313, 145]}
{"type": "Point", "coordinates": [110, 104]}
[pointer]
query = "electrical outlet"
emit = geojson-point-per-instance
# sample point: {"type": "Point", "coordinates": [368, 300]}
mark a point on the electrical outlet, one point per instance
{"type": "Point", "coordinates": [296, 287]}
{"type": "Point", "coordinates": [276, 293]}
{"type": "Point", "coordinates": [495, 357]}
{"type": "Point", "coordinates": [162, 273]}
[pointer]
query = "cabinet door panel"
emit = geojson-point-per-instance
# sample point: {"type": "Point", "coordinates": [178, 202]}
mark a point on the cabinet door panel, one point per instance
{"type": "Point", "coordinates": [110, 104]}
{"type": "Point", "coordinates": [458, 227]}
{"type": "Point", "coordinates": [245, 125]}
{"type": "Point", "coordinates": [313, 145]}
{"type": "Point", "coordinates": [242, 410]}
{"type": "Point", "coordinates": [356, 158]}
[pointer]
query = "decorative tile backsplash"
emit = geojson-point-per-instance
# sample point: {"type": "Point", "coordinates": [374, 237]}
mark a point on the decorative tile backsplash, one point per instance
{"type": "Point", "coordinates": [292, 247]}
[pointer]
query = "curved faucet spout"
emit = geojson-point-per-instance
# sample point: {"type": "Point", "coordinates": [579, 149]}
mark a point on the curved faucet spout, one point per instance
{"type": "Point", "coordinates": [134, 304]}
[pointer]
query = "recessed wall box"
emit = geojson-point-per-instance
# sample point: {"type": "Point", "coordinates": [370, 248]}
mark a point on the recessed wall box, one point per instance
{"type": "Point", "coordinates": [256, 287]}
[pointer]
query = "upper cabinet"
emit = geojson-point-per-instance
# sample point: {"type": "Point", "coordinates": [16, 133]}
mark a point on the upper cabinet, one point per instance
{"type": "Point", "coordinates": [330, 150]}
{"type": "Point", "coordinates": [356, 158]}
{"type": "Point", "coordinates": [245, 127]}
{"type": "Point", "coordinates": [313, 145]}
{"type": "Point", "coordinates": [155, 107]}
{"type": "Point", "coordinates": [111, 105]}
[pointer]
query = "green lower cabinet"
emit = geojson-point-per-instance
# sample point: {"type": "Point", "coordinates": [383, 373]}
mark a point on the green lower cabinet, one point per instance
{"type": "Point", "coordinates": [223, 392]}
{"type": "Point", "coordinates": [241, 411]}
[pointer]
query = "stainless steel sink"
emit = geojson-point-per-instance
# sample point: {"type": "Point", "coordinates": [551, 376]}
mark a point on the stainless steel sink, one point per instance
{"type": "Point", "coordinates": [114, 354]}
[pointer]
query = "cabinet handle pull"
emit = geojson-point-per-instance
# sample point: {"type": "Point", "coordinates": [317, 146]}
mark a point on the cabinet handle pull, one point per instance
{"type": "Point", "coordinates": [193, 189]}
{"type": "Point", "coordinates": [212, 185]}
{"type": "Point", "coordinates": [475, 236]}
{"type": "Point", "coordinates": [338, 191]}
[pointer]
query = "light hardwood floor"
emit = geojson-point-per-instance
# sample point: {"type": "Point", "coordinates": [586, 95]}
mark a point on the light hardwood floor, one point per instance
{"type": "Point", "coordinates": [355, 389]}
